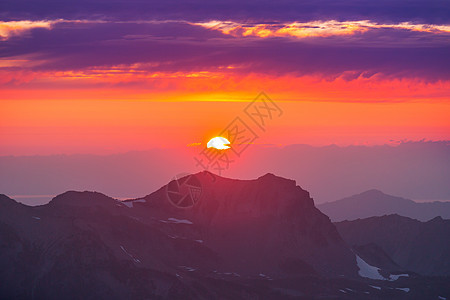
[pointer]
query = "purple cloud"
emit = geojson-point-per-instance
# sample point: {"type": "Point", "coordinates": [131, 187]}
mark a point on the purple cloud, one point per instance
{"type": "Point", "coordinates": [183, 47]}
{"type": "Point", "coordinates": [422, 11]}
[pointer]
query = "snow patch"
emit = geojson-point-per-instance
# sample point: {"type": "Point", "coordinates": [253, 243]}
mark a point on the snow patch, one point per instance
{"type": "Point", "coordinates": [342, 291]}
{"type": "Point", "coordinates": [375, 287]}
{"type": "Point", "coordinates": [403, 289]}
{"type": "Point", "coordinates": [199, 241]}
{"type": "Point", "coordinates": [130, 203]}
{"type": "Point", "coordinates": [132, 257]}
{"type": "Point", "coordinates": [264, 276]}
{"type": "Point", "coordinates": [395, 277]}
{"type": "Point", "coordinates": [37, 218]}
{"type": "Point", "coordinates": [227, 273]}
{"type": "Point", "coordinates": [368, 271]}
{"type": "Point", "coordinates": [177, 221]}
{"type": "Point", "coordinates": [372, 272]}
{"type": "Point", "coordinates": [442, 298]}
{"type": "Point", "coordinates": [187, 268]}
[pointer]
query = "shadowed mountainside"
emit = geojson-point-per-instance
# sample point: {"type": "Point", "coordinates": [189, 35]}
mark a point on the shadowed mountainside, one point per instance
{"type": "Point", "coordinates": [422, 247]}
{"type": "Point", "coordinates": [240, 239]}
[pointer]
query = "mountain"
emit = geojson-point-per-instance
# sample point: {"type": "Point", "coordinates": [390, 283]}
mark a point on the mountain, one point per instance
{"type": "Point", "coordinates": [376, 203]}
{"type": "Point", "coordinates": [271, 214]}
{"type": "Point", "coordinates": [199, 237]}
{"type": "Point", "coordinates": [415, 170]}
{"type": "Point", "coordinates": [421, 247]}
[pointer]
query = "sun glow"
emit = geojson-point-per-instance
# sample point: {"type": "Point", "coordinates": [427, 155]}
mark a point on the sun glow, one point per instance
{"type": "Point", "coordinates": [218, 142]}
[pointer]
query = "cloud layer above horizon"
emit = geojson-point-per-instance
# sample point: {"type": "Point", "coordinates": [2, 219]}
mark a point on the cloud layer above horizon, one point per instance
{"type": "Point", "coordinates": [330, 39]}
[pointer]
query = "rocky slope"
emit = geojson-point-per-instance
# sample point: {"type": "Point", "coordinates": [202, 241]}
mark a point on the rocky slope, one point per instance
{"type": "Point", "coordinates": [421, 247]}
{"type": "Point", "coordinates": [199, 237]}
{"type": "Point", "coordinates": [270, 214]}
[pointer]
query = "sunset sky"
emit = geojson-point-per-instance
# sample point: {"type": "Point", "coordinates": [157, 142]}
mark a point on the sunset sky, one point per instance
{"type": "Point", "coordinates": [106, 77]}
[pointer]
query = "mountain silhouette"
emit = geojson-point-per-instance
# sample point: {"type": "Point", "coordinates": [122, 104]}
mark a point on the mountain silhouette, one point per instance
{"type": "Point", "coordinates": [230, 239]}
{"type": "Point", "coordinates": [376, 203]}
{"type": "Point", "coordinates": [271, 214]}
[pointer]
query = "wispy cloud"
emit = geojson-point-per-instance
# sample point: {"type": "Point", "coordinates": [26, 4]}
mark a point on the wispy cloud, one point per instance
{"type": "Point", "coordinates": [14, 28]}
{"type": "Point", "coordinates": [314, 28]}
{"type": "Point", "coordinates": [329, 48]}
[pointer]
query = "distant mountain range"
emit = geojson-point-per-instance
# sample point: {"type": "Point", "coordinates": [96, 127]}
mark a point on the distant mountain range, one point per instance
{"type": "Point", "coordinates": [421, 247]}
{"type": "Point", "coordinates": [376, 203]}
{"type": "Point", "coordinates": [199, 237]}
{"type": "Point", "coordinates": [415, 170]}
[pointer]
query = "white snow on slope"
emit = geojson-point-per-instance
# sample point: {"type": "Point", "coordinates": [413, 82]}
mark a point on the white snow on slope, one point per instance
{"type": "Point", "coordinates": [177, 221]}
{"type": "Point", "coordinates": [375, 287]}
{"type": "Point", "coordinates": [265, 276]}
{"type": "Point", "coordinates": [368, 271]}
{"type": "Point", "coordinates": [190, 269]}
{"type": "Point", "coordinates": [403, 289]}
{"type": "Point", "coordinates": [395, 277]}
{"type": "Point", "coordinates": [227, 273]}
{"type": "Point", "coordinates": [37, 218]}
{"type": "Point", "coordinates": [130, 203]}
{"type": "Point", "coordinates": [132, 257]}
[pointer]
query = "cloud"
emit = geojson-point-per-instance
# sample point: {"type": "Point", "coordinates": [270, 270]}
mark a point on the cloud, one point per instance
{"type": "Point", "coordinates": [150, 47]}
{"type": "Point", "coordinates": [384, 11]}
{"type": "Point", "coordinates": [314, 28]}
{"type": "Point", "coordinates": [15, 28]}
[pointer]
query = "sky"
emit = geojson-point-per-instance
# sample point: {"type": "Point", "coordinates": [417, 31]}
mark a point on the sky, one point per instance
{"type": "Point", "coordinates": [413, 170]}
{"type": "Point", "coordinates": [105, 77]}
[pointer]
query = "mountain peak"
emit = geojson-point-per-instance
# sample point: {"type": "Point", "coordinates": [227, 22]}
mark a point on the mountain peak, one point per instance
{"type": "Point", "coordinates": [85, 198]}
{"type": "Point", "coordinates": [373, 192]}
{"type": "Point", "coordinates": [436, 219]}
{"type": "Point", "coordinates": [274, 178]}
{"type": "Point", "coordinates": [235, 216]}
{"type": "Point", "coordinates": [269, 175]}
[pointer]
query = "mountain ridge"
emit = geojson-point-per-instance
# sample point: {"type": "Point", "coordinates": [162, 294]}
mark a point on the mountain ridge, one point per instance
{"type": "Point", "coordinates": [376, 203]}
{"type": "Point", "coordinates": [262, 238]}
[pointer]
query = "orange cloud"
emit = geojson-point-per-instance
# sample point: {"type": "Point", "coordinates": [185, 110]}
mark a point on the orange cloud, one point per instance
{"type": "Point", "coordinates": [313, 28]}
{"type": "Point", "coordinates": [123, 83]}
{"type": "Point", "coordinates": [14, 28]}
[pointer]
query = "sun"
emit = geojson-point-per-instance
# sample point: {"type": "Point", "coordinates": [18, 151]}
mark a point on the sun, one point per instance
{"type": "Point", "coordinates": [218, 142]}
